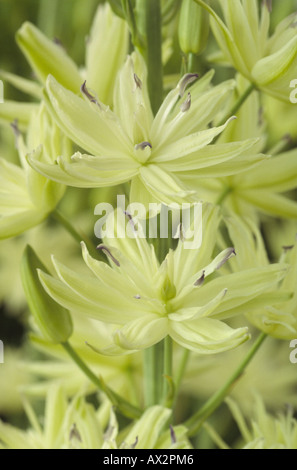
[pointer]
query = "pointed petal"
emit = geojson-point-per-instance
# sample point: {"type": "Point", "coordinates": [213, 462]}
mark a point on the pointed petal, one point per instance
{"type": "Point", "coordinates": [26, 86]}
{"type": "Point", "coordinates": [142, 333]}
{"type": "Point", "coordinates": [13, 225]}
{"type": "Point", "coordinates": [207, 336]}
{"type": "Point", "coordinates": [164, 186]}
{"type": "Point", "coordinates": [210, 156]}
{"type": "Point", "coordinates": [12, 110]}
{"type": "Point", "coordinates": [112, 32]}
{"type": "Point", "coordinates": [270, 203]}
{"type": "Point", "coordinates": [278, 173]}
{"type": "Point", "coordinates": [93, 128]}
{"type": "Point", "coordinates": [188, 263]}
{"type": "Point", "coordinates": [188, 144]}
{"type": "Point", "coordinates": [46, 57]}
{"type": "Point", "coordinates": [198, 312]}
{"type": "Point", "coordinates": [79, 174]}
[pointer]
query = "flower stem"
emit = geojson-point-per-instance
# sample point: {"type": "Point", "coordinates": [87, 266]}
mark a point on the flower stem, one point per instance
{"type": "Point", "coordinates": [61, 219]}
{"type": "Point", "coordinates": [153, 374]}
{"type": "Point", "coordinates": [181, 370]}
{"type": "Point", "coordinates": [153, 35]}
{"type": "Point", "coordinates": [195, 422]}
{"type": "Point", "coordinates": [241, 100]}
{"type": "Point", "coordinates": [167, 372]}
{"type": "Point", "coordinates": [120, 403]}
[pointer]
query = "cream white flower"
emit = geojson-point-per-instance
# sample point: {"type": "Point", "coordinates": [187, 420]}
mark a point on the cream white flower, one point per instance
{"type": "Point", "coordinates": [184, 297]}
{"type": "Point", "coordinates": [130, 144]}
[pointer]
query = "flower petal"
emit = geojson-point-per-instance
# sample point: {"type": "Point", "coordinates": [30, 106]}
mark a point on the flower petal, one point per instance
{"type": "Point", "coordinates": [207, 336]}
{"type": "Point", "coordinates": [92, 127]}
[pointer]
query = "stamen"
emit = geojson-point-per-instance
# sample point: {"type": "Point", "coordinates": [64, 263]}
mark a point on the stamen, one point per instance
{"type": "Point", "coordinates": [108, 433]}
{"type": "Point", "coordinates": [130, 220]}
{"type": "Point", "coordinates": [187, 80]}
{"type": "Point", "coordinates": [180, 233]}
{"type": "Point", "coordinates": [74, 433]}
{"type": "Point", "coordinates": [15, 128]}
{"type": "Point", "coordinates": [59, 43]}
{"type": "Point", "coordinates": [288, 248]}
{"type": "Point", "coordinates": [107, 252]}
{"type": "Point", "coordinates": [17, 133]}
{"type": "Point", "coordinates": [200, 281]}
{"type": "Point", "coordinates": [185, 106]}
{"type": "Point", "coordinates": [135, 443]}
{"type": "Point", "coordinates": [268, 4]}
{"type": "Point", "coordinates": [143, 145]}
{"type": "Point", "coordinates": [231, 252]}
{"type": "Point", "coordinates": [137, 81]}
{"type": "Point", "coordinates": [172, 435]}
{"type": "Point", "coordinates": [86, 92]}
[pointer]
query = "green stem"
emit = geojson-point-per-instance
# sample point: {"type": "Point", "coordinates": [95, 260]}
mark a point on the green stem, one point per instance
{"type": "Point", "coordinates": [47, 17]}
{"type": "Point", "coordinates": [167, 372]}
{"type": "Point", "coordinates": [191, 63]}
{"type": "Point", "coordinates": [120, 403]}
{"type": "Point", "coordinates": [153, 34]}
{"type": "Point", "coordinates": [181, 369]}
{"type": "Point", "coordinates": [195, 422]}
{"type": "Point", "coordinates": [153, 374]}
{"type": "Point", "coordinates": [61, 219]}
{"type": "Point", "coordinates": [238, 104]}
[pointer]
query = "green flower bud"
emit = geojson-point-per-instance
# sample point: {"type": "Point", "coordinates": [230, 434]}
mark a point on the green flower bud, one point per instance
{"type": "Point", "coordinates": [193, 27]}
{"type": "Point", "coordinates": [53, 320]}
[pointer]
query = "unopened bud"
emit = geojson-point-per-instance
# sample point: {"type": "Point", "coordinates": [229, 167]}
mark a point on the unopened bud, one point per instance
{"type": "Point", "coordinates": [54, 321]}
{"type": "Point", "coordinates": [193, 27]}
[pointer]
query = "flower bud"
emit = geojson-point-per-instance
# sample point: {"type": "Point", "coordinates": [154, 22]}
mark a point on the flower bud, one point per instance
{"type": "Point", "coordinates": [193, 27]}
{"type": "Point", "coordinates": [53, 320]}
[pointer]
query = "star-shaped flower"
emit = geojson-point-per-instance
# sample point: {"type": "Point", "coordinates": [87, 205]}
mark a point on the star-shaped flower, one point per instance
{"type": "Point", "coordinates": [129, 143]}
{"type": "Point", "coordinates": [270, 63]}
{"type": "Point", "coordinates": [26, 197]}
{"type": "Point", "coordinates": [184, 297]}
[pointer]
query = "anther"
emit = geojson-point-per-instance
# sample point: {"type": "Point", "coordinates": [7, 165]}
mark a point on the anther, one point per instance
{"type": "Point", "coordinates": [143, 145]}
{"type": "Point", "coordinates": [137, 81]}
{"type": "Point", "coordinates": [107, 252]}
{"type": "Point", "coordinates": [135, 443]}
{"type": "Point", "coordinates": [268, 4]}
{"type": "Point", "coordinates": [172, 435]}
{"type": "Point", "coordinates": [187, 80]}
{"type": "Point", "coordinates": [74, 433]}
{"type": "Point", "coordinates": [185, 106]}
{"type": "Point", "coordinates": [200, 281]}
{"type": "Point", "coordinates": [15, 128]}
{"type": "Point", "coordinates": [231, 252]}
{"type": "Point", "coordinates": [86, 92]}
